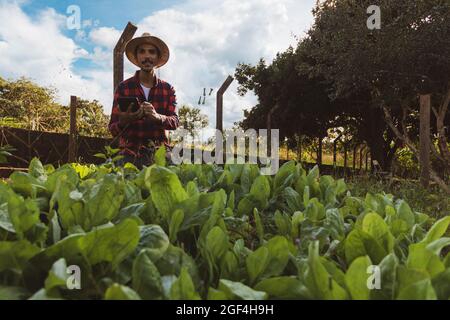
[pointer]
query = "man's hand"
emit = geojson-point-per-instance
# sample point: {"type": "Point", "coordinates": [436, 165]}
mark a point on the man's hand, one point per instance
{"type": "Point", "coordinates": [129, 116]}
{"type": "Point", "coordinates": [151, 114]}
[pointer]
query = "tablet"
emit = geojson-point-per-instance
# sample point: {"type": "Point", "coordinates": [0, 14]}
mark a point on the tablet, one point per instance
{"type": "Point", "coordinates": [124, 103]}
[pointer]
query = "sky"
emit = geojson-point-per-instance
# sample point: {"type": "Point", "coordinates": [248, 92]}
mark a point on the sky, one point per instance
{"type": "Point", "coordinates": [207, 39]}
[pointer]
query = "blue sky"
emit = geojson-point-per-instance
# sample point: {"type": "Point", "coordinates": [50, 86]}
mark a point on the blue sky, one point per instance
{"type": "Point", "coordinates": [108, 13]}
{"type": "Point", "coordinates": [207, 39]}
{"type": "Point", "coordinates": [99, 13]}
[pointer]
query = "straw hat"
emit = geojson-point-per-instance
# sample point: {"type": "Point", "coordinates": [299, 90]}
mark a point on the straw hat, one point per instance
{"type": "Point", "coordinates": [147, 38]}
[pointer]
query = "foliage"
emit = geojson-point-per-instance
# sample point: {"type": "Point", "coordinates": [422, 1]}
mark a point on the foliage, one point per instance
{"type": "Point", "coordinates": [5, 151]}
{"type": "Point", "coordinates": [205, 232]}
{"type": "Point", "coordinates": [342, 74]}
{"type": "Point", "coordinates": [432, 201]}
{"type": "Point", "coordinates": [24, 104]}
{"type": "Point", "coordinates": [192, 120]}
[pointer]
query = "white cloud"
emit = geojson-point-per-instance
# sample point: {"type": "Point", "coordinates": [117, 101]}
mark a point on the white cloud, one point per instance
{"type": "Point", "coordinates": [37, 49]}
{"type": "Point", "coordinates": [206, 38]}
{"type": "Point", "coordinates": [105, 37]}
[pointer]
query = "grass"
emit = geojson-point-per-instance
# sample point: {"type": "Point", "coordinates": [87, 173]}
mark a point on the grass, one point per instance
{"type": "Point", "coordinates": [432, 201]}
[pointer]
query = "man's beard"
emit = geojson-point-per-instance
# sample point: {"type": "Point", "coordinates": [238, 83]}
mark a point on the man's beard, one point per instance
{"type": "Point", "coordinates": [147, 65]}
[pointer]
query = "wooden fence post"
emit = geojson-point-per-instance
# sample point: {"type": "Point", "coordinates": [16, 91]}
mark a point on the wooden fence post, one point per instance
{"type": "Point", "coordinates": [127, 34]}
{"type": "Point", "coordinates": [424, 138]}
{"type": "Point", "coordinates": [319, 152]}
{"type": "Point", "coordinates": [367, 160]}
{"type": "Point", "coordinates": [219, 106]}
{"type": "Point", "coordinates": [299, 149]}
{"type": "Point", "coordinates": [345, 159]}
{"type": "Point", "coordinates": [219, 112]}
{"type": "Point", "coordinates": [73, 130]}
{"type": "Point", "coordinates": [361, 157]}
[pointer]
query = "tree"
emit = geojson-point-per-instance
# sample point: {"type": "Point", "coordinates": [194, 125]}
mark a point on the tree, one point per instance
{"type": "Point", "coordinates": [24, 104]}
{"type": "Point", "coordinates": [29, 106]}
{"type": "Point", "coordinates": [407, 57]}
{"type": "Point", "coordinates": [91, 120]}
{"type": "Point", "coordinates": [192, 120]}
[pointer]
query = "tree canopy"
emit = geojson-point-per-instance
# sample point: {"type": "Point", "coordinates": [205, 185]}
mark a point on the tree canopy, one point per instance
{"type": "Point", "coordinates": [343, 74]}
{"type": "Point", "coordinates": [24, 104]}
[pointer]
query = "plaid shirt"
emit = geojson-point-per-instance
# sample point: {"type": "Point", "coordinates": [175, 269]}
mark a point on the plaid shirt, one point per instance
{"type": "Point", "coordinates": [140, 133]}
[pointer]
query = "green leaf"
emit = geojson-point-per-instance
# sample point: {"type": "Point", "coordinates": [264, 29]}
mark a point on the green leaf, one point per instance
{"type": "Point", "coordinates": [318, 281]}
{"type": "Point", "coordinates": [146, 277]}
{"type": "Point", "coordinates": [5, 221]}
{"type": "Point", "coordinates": [229, 266]}
{"type": "Point", "coordinates": [165, 188]}
{"type": "Point", "coordinates": [216, 243]}
{"type": "Point", "coordinates": [278, 256]}
{"type": "Point", "coordinates": [283, 288]}
{"type": "Point", "coordinates": [335, 224]}
{"type": "Point", "coordinates": [257, 262]}
{"type": "Point", "coordinates": [192, 189]}
{"type": "Point", "coordinates": [64, 173]}
{"type": "Point", "coordinates": [120, 292]}
{"type": "Point", "coordinates": [421, 290]}
{"type": "Point", "coordinates": [407, 276]}
{"type": "Point", "coordinates": [103, 202]}
{"type": "Point", "coordinates": [359, 243]}
{"type": "Point", "coordinates": [405, 213]}
{"type": "Point", "coordinates": [36, 169]}
{"type": "Point", "coordinates": [15, 254]}
{"type": "Point", "coordinates": [214, 294]}
{"type": "Point", "coordinates": [111, 244]}
{"type": "Point", "coordinates": [154, 240]}
{"type": "Point", "coordinates": [297, 218]}
{"type": "Point", "coordinates": [160, 156]}
{"type": "Point", "coordinates": [388, 267]}
{"type": "Point", "coordinates": [420, 257]}
{"type": "Point", "coordinates": [441, 284]}
{"type": "Point", "coordinates": [240, 291]}
{"type": "Point", "coordinates": [375, 226]}
{"type": "Point", "coordinates": [284, 176]}
{"type": "Point", "coordinates": [437, 230]}
{"type": "Point", "coordinates": [437, 245]}
{"type": "Point", "coordinates": [175, 223]}
{"type": "Point", "coordinates": [23, 214]}
{"type": "Point", "coordinates": [220, 200]}
{"type": "Point", "coordinates": [100, 155]}
{"type": "Point", "coordinates": [13, 293]}
{"type": "Point", "coordinates": [25, 184]}
{"type": "Point", "coordinates": [283, 223]}
{"type": "Point", "coordinates": [260, 191]}
{"type": "Point", "coordinates": [231, 200]}
{"type": "Point", "coordinates": [42, 295]}
{"type": "Point", "coordinates": [183, 288]}
{"type": "Point", "coordinates": [57, 277]}
{"type": "Point", "coordinates": [356, 278]}
{"type": "Point", "coordinates": [173, 260]}
{"type": "Point", "coordinates": [258, 225]}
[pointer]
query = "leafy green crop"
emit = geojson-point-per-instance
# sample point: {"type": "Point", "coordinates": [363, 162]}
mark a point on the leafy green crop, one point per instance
{"type": "Point", "coordinates": [207, 232]}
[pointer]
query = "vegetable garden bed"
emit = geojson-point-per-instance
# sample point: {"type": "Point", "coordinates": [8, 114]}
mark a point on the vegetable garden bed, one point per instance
{"type": "Point", "coordinates": [205, 232]}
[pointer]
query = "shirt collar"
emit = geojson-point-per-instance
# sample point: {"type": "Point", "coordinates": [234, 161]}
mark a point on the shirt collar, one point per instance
{"type": "Point", "coordinates": [136, 78]}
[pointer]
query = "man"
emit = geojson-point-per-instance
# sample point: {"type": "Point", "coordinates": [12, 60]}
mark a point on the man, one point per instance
{"type": "Point", "coordinates": [141, 131]}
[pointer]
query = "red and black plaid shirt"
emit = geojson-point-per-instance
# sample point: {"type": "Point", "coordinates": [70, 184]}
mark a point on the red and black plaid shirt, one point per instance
{"type": "Point", "coordinates": [139, 133]}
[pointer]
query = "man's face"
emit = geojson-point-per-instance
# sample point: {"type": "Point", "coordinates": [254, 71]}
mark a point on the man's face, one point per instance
{"type": "Point", "coordinates": [147, 56]}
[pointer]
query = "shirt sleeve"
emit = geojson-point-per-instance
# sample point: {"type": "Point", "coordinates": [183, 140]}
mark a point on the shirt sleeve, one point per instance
{"type": "Point", "coordinates": [170, 120]}
{"type": "Point", "coordinates": [113, 126]}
